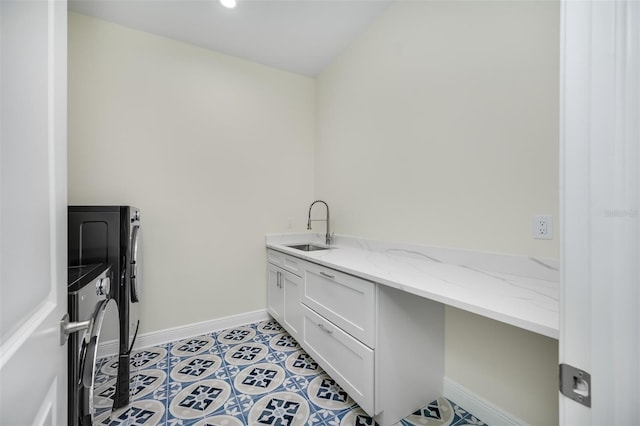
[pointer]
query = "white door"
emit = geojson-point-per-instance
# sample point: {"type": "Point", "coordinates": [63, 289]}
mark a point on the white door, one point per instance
{"type": "Point", "coordinates": [33, 228]}
{"type": "Point", "coordinates": [600, 208]}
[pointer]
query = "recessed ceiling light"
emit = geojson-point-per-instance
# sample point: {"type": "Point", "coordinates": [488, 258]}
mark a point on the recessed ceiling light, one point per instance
{"type": "Point", "coordinates": [228, 3]}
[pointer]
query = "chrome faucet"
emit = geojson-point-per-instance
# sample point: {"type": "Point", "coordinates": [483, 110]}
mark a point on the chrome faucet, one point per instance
{"type": "Point", "coordinates": [328, 235]}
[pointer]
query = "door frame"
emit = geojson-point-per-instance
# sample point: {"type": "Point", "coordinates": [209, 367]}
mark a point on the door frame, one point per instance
{"type": "Point", "coordinates": [599, 196]}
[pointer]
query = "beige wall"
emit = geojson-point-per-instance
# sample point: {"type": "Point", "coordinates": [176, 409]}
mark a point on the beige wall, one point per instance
{"type": "Point", "coordinates": [513, 368]}
{"type": "Point", "coordinates": [440, 126]}
{"type": "Point", "coordinates": [214, 150]}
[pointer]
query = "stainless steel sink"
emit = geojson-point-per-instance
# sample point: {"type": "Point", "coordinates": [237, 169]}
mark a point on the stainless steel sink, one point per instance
{"type": "Point", "coordinates": [308, 247]}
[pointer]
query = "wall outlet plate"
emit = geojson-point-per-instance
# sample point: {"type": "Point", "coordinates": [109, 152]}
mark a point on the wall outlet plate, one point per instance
{"type": "Point", "coordinates": [542, 227]}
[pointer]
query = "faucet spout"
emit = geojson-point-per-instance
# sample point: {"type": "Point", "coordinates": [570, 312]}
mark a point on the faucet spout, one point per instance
{"type": "Point", "coordinates": [328, 220]}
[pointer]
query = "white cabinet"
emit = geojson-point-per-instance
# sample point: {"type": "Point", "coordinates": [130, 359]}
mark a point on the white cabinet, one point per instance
{"type": "Point", "coordinates": [284, 289]}
{"type": "Point", "coordinates": [383, 346]}
{"type": "Point", "coordinates": [345, 300]}
{"type": "Point", "coordinates": [409, 354]}
{"type": "Point", "coordinates": [345, 359]}
{"type": "Point", "coordinates": [286, 262]}
{"type": "Point", "coordinates": [292, 286]}
{"type": "Point", "coordinates": [275, 294]}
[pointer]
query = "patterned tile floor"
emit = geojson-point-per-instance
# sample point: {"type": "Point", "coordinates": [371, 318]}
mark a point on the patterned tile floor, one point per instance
{"type": "Point", "coordinates": [251, 375]}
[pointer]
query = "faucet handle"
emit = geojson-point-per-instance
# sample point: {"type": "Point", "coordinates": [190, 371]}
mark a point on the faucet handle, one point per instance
{"type": "Point", "coordinates": [329, 238]}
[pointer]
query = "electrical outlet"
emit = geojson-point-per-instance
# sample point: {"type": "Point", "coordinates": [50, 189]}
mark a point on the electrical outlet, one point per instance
{"type": "Point", "coordinates": [542, 227]}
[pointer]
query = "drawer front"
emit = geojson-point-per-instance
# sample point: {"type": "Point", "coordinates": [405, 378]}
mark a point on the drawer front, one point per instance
{"type": "Point", "coordinates": [347, 361]}
{"type": "Point", "coordinates": [347, 301]}
{"type": "Point", "coordinates": [286, 262]}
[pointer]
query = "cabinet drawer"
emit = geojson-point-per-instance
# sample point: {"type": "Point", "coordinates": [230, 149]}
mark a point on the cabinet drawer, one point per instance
{"type": "Point", "coordinates": [285, 261]}
{"type": "Point", "coordinates": [345, 300]}
{"type": "Point", "coordinates": [347, 361]}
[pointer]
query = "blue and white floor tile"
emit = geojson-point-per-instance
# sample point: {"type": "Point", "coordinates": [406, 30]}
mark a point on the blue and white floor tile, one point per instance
{"type": "Point", "coordinates": [250, 375]}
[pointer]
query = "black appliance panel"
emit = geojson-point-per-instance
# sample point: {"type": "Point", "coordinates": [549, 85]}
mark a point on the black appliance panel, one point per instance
{"type": "Point", "coordinates": [104, 233]}
{"type": "Point", "coordinates": [94, 237]}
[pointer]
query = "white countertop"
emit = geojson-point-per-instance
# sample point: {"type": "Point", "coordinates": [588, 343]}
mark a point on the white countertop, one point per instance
{"type": "Point", "coordinates": [517, 290]}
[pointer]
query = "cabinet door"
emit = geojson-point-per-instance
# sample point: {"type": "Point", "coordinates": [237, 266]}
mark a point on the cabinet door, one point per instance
{"type": "Point", "coordinates": [346, 360]}
{"type": "Point", "coordinates": [292, 288]}
{"type": "Point", "coordinates": [275, 294]}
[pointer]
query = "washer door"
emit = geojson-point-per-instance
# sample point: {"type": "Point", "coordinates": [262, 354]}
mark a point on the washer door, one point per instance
{"type": "Point", "coordinates": [136, 263]}
{"type": "Point", "coordinates": [105, 311]}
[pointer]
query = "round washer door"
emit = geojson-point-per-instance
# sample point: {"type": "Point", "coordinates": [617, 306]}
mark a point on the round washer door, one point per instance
{"type": "Point", "coordinates": [104, 312]}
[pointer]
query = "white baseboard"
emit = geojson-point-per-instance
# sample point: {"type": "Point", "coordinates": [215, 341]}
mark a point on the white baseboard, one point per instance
{"type": "Point", "coordinates": [146, 340]}
{"type": "Point", "coordinates": [481, 408]}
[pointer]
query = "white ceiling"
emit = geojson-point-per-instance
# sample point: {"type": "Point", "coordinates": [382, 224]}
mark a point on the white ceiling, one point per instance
{"type": "Point", "coordinates": [301, 36]}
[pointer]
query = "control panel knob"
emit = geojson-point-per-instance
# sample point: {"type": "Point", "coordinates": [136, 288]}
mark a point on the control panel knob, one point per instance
{"type": "Point", "coordinates": [103, 286]}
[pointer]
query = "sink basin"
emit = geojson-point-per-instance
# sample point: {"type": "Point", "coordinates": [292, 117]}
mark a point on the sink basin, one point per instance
{"type": "Point", "coordinates": [308, 247]}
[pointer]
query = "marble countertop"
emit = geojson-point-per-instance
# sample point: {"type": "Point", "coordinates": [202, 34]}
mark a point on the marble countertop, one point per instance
{"type": "Point", "coordinates": [518, 290]}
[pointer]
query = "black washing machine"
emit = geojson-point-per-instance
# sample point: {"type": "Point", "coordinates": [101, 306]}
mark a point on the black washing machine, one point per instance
{"type": "Point", "coordinates": [112, 235]}
{"type": "Point", "coordinates": [89, 302]}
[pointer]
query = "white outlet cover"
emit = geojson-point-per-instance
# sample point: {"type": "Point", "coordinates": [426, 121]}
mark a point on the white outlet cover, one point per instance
{"type": "Point", "coordinates": [542, 227]}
